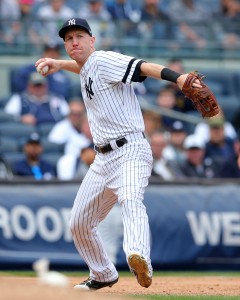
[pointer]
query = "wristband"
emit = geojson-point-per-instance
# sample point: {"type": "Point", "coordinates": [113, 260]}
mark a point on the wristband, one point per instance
{"type": "Point", "coordinates": [169, 75]}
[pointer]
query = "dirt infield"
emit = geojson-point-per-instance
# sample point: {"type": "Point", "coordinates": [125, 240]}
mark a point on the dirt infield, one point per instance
{"type": "Point", "coordinates": [28, 288]}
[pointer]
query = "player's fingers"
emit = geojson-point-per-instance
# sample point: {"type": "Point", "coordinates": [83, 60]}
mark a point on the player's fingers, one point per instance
{"type": "Point", "coordinates": [39, 61]}
{"type": "Point", "coordinates": [197, 84]}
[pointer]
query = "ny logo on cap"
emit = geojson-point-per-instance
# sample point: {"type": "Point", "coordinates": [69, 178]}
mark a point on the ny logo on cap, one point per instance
{"type": "Point", "coordinates": [72, 22]}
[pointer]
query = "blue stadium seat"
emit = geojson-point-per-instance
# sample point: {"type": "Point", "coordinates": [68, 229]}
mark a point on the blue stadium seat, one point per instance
{"type": "Point", "coordinates": [50, 147]}
{"type": "Point", "coordinates": [5, 117]}
{"type": "Point", "coordinates": [16, 130]}
{"type": "Point", "coordinates": [230, 104]}
{"type": "Point", "coordinates": [3, 101]}
{"type": "Point", "coordinates": [11, 157]}
{"type": "Point", "coordinates": [222, 82]}
{"type": "Point", "coordinates": [8, 145]}
{"type": "Point", "coordinates": [237, 83]}
{"type": "Point", "coordinates": [44, 129]}
{"type": "Point", "coordinates": [153, 86]}
{"type": "Point", "coordinates": [52, 158]}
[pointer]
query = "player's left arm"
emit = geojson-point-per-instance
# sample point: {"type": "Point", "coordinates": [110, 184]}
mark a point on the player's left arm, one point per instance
{"type": "Point", "coordinates": [161, 72]}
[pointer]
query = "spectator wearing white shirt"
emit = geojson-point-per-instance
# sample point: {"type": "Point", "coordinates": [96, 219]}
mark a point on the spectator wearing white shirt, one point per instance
{"type": "Point", "coordinates": [202, 130]}
{"type": "Point", "coordinates": [69, 131]}
{"type": "Point", "coordinates": [77, 158]}
{"type": "Point", "coordinates": [162, 168]}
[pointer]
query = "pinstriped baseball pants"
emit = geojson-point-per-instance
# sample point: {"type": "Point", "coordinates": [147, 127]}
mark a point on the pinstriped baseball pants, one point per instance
{"type": "Point", "coordinates": [119, 175]}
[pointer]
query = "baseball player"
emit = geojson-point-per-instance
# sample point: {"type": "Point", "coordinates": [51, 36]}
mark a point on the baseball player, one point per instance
{"type": "Point", "coordinates": [123, 162]}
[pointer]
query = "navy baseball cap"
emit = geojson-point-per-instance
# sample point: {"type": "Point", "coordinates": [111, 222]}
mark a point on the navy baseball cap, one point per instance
{"type": "Point", "coordinates": [74, 23]}
{"type": "Point", "coordinates": [34, 138]}
{"type": "Point", "coordinates": [177, 126]}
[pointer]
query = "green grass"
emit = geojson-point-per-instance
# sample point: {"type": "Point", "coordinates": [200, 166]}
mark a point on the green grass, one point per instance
{"type": "Point", "coordinates": [157, 297]}
{"type": "Point", "coordinates": [127, 273]}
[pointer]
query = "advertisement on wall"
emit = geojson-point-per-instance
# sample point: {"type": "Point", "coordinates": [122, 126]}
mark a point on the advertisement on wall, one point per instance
{"type": "Point", "coordinates": [195, 227]}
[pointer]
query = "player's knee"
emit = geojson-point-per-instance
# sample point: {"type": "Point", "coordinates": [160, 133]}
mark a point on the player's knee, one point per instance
{"type": "Point", "coordinates": [79, 226]}
{"type": "Point", "coordinates": [76, 225]}
{"type": "Point", "coordinates": [135, 206]}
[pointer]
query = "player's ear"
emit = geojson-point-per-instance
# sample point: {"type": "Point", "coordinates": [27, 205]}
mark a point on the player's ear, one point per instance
{"type": "Point", "coordinates": [92, 39]}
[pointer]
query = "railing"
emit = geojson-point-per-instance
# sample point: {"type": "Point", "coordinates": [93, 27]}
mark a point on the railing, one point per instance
{"type": "Point", "coordinates": [146, 39]}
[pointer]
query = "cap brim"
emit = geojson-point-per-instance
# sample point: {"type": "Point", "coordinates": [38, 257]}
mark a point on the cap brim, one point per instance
{"type": "Point", "coordinates": [64, 30]}
{"type": "Point", "coordinates": [33, 142]}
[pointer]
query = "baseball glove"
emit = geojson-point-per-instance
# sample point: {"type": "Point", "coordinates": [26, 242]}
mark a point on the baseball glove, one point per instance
{"type": "Point", "coordinates": [203, 98]}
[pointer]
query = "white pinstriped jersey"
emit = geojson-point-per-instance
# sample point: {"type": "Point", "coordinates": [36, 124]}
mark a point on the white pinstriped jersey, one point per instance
{"type": "Point", "coordinates": [112, 106]}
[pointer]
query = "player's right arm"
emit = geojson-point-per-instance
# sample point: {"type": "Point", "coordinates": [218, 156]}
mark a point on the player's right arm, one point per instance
{"type": "Point", "coordinates": [156, 71]}
{"type": "Point", "coordinates": [58, 64]}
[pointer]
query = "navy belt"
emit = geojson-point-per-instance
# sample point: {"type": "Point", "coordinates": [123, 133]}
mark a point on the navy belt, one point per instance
{"type": "Point", "coordinates": [107, 148]}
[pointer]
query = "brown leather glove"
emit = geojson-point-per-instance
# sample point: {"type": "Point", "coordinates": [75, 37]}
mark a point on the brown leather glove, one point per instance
{"type": "Point", "coordinates": [203, 98]}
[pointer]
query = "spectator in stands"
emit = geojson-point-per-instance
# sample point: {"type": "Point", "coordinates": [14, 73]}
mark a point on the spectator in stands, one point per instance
{"type": "Point", "coordinates": [166, 99]}
{"type": "Point", "coordinates": [189, 16]}
{"type": "Point", "coordinates": [51, 15]}
{"type": "Point", "coordinates": [75, 167]}
{"type": "Point", "coordinates": [161, 167]}
{"type": "Point", "coordinates": [196, 164]}
{"type": "Point", "coordinates": [154, 22]}
{"type": "Point", "coordinates": [152, 122]}
{"type": "Point", "coordinates": [59, 83]}
{"type": "Point", "coordinates": [100, 21]}
{"type": "Point", "coordinates": [36, 105]}
{"type": "Point", "coordinates": [15, 18]}
{"type": "Point", "coordinates": [9, 10]}
{"type": "Point", "coordinates": [94, 10]}
{"type": "Point", "coordinates": [126, 15]}
{"type": "Point", "coordinates": [238, 158]}
{"type": "Point", "coordinates": [78, 155]}
{"type": "Point", "coordinates": [124, 10]}
{"type": "Point", "coordinates": [86, 159]}
{"type": "Point", "coordinates": [151, 11]}
{"type": "Point", "coordinates": [236, 121]}
{"type": "Point", "coordinates": [175, 150]}
{"type": "Point", "coordinates": [202, 129]}
{"type": "Point", "coordinates": [226, 24]}
{"type": "Point", "coordinates": [70, 130]}
{"type": "Point", "coordinates": [230, 168]}
{"type": "Point", "coordinates": [182, 104]}
{"type": "Point", "coordinates": [219, 147]}
{"type": "Point", "coordinates": [5, 169]}
{"type": "Point", "coordinates": [33, 165]}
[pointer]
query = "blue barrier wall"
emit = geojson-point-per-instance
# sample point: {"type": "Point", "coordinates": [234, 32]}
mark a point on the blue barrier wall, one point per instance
{"type": "Point", "coordinates": [192, 226]}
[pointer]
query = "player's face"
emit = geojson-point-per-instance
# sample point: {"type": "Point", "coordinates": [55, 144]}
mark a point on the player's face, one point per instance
{"type": "Point", "coordinates": [79, 44]}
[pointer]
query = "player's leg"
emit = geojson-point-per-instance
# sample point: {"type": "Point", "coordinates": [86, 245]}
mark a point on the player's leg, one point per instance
{"type": "Point", "coordinates": [136, 243]}
{"type": "Point", "coordinates": [92, 203]}
{"type": "Point", "coordinates": [129, 182]}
